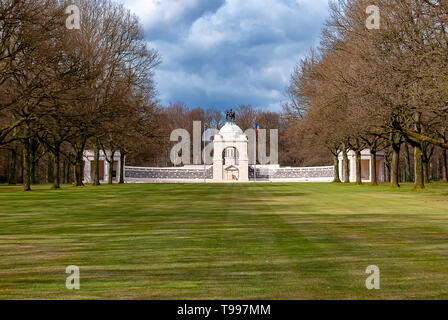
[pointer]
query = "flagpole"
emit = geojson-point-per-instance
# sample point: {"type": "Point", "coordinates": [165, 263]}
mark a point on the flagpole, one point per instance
{"type": "Point", "coordinates": [205, 163]}
{"type": "Point", "coordinates": [255, 155]}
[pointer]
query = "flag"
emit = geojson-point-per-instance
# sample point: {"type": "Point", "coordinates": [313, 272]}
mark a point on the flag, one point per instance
{"type": "Point", "coordinates": [257, 127]}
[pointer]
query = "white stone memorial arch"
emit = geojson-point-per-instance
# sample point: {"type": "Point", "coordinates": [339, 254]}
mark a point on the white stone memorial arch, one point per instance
{"type": "Point", "coordinates": [230, 159]}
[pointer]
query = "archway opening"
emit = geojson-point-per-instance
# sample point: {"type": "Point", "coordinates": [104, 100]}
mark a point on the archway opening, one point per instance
{"type": "Point", "coordinates": [230, 156]}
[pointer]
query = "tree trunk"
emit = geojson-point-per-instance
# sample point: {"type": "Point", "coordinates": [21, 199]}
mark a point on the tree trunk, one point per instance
{"type": "Point", "coordinates": [96, 160]}
{"type": "Point", "coordinates": [67, 172]}
{"type": "Point", "coordinates": [425, 163]}
{"type": "Point", "coordinates": [122, 160]}
{"type": "Point", "coordinates": [358, 167]}
{"type": "Point", "coordinates": [74, 175]}
{"type": "Point", "coordinates": [80, 170]}
{"type": "Point", "coordinates": [374, 178]}
{"type": "Point", "coordinates": [395, 165]}
{"type": "Point", "coordinates": [111, 167]}
{"type": "Point", "coordinates": [346, 166]}
{"type": "Point", "coordinates": [26, 165]}
{"type": "Point", "coordinates": [34, 159]}
{"type": "Point", "coordinates": [336, 179]}
{"type": "Point", "coordinates": [418, 156]}
{"type": "Point", "coordinates": [77, 174]}
{"type": "Point", "coordinates": [444, 166]}
{"type": "Point", "coordinates": [20, 163]}
{"type": "Point", "coordinates": [50, 170]}
{"type": "Point", "coordinates": [33, 164]}
{"type": "Point", "coordinates": [418, 167]}
{"type": "Point", "coordinates": [56, 168]}
{"type": "Point", "coordinates": [407, 162]}
{"type": "Point", "coordinates": [64, 168]}
{"type": "Point", "coordinates": [12, 170]}
{"type": "Point", "coordinates": [79, 163]}
{"type": "Point", "coordinates": [386, 170]}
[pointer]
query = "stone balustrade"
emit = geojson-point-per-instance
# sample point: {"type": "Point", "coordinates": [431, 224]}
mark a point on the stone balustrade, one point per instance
{"type": "Point", "coordinates": [136, 173]}
{"type": "Point", "coordinates": [293, 173]}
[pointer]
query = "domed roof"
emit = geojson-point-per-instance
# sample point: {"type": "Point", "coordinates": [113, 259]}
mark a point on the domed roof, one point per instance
{"type": "Point", "coordinates": [230, 128]}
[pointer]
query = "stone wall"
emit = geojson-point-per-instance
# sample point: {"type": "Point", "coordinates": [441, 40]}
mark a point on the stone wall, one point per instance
{"type": "Point", "coordinates": [294, 173]}
{"type": "Point", "coordinates": [189, 174]}
{"type": "Point", "coordinates": [137, 173]}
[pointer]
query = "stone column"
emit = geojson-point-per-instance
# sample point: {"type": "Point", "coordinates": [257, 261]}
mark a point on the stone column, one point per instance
{"type": "Point", "coordinates": [117, 156]}
{"type": "Point", "coordinates": [352, 159]}
{"type": "Point", "coordinates": [243, 160]}
{"type": "Point", "coordinates": [217, 159]}
{"type": "Point", "coordinates": [381, 171]}
{"type": "Point", "coordinates": [106, 169]}
{"type": "Point", "coordinates": [87, 169]}
{"type": "Point", "coordinates": [341, 166]}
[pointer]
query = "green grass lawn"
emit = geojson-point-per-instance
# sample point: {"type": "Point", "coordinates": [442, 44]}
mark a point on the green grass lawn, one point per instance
{"type": "Point", "coordinates": [223, 241]}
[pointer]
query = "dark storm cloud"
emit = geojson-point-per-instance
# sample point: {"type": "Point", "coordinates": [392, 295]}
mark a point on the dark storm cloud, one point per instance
{"type": "Point", "coordinates": [220, 53]}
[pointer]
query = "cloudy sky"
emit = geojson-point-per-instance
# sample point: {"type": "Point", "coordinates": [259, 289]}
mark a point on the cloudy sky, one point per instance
{"type": "Point", "coordinates": [224, 53]}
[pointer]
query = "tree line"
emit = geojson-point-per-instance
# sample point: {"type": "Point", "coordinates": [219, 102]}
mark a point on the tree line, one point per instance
{"type": "Point", "coordinates": [152, 148]}
{"type": "Point", "coordinates": [378, 89]}
{"type": "Point", "coordinates": [62, 89]}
